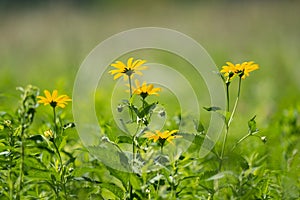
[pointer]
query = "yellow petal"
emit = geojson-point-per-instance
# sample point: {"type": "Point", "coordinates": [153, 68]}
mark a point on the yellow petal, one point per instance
{"type": "Point", "coordinates": [118, 76]}
{"type": "Point", "coordinates": [129, 63]}
{"type": "Point", "coordinates": [48, 95]}
{"type": "Point", "coordinates": [114, 71]}
{"type": "Point", "coordinates": [137, 83]}
{"type": "Point", "coordinates": [54, 94]}
{"type": "Point", "coordinates": [119, 65]}
{"type": "Point", "coordinates": [140, 62]}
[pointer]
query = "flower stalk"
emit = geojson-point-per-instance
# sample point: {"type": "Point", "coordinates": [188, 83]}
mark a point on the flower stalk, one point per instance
{"type": "Point", "coordinates": [231, 71]}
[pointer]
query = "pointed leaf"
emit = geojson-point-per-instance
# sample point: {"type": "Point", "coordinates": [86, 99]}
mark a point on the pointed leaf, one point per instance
{"type": "Point", "coordinates": [213, 108]}
{"type": "Point", "coordinates": [117, 191]}
{"type": "Point", "coordinates": [124, 139]}
{"type": "Point", "coordinates": [252, 125]}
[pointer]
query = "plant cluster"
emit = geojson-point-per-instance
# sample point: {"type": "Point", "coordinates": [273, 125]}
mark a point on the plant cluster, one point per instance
{"type": "Point", "coordinates": [49, 162]}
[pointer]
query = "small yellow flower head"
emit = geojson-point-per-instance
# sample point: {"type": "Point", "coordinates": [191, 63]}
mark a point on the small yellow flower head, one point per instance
{"type": "Point", "coordinates": [53, 99]}
{"type": "Point", "coordinates": [132, 67]}
{"type": "Point", "coordinates": [49, 134]}
{"type": "Point", "coordinates": [161, 137]}
{"type": "Point", "coordinates": [231, 70]}
{"type": "Point", "coordinates": [246, 67]}
{"type": "Point", "coordinates": [145, 89]}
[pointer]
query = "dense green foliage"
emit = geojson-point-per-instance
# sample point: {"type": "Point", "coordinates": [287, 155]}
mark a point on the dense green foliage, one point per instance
{"type": "Point", "coordinates": [36, 165]}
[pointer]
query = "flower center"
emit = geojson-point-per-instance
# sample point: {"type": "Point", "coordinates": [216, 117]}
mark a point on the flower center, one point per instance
{"type": "Point", "coordinates": [144, 95]}
{"type": "Point", "coordinates": [53, 104]}
{"type": "Point", "coordinates": [161, 141]}
{"type": "Point", "coordinates": [240, 72]}
{"type": "Point", "coordinates": [128, 71]}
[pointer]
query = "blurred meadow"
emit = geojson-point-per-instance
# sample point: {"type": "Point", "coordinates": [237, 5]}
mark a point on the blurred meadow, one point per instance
{"type": "Point", "coordinates": [43, 43]}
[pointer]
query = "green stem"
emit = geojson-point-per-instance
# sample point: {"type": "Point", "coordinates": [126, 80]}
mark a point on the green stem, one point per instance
{"type": "Point", "coordinates": [236, 102]}
{"type": "Point", "coordinates": [58, 153]}
{"type": "Point", "coordinates": [54, 120]}
{"type": "Point", "coordinates": [223, 147]}
{"type": "Point", "coordinates": [133, 150]}
{"type": "Point", "coordinates": [241, 140]}
{"type": "Point", "coordinates": [229, 120]}
{"type": "Point", "coordinates": [134, 147]}
{"type": "Point", "coordinates": [130, 93]}
{"type": "Point", "coordinates": [130, 191]}
{"type": "Point", "coordinates": [10, 181]}
{"type": "Point", "coordinates": [130, 86]}
{"type": "Point", "coordinates": [158, 185]}
{"type": "Point", "coordinates": [22, 162]}
{"type": "Point", "coordinates": [227, 96]}
{"type": "Point", "coordinates": [61, 170]}
{"type": "Point", "coordinates": [10, 185]}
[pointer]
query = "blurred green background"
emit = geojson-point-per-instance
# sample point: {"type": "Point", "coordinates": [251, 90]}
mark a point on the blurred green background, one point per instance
{"type": "Point", "coordinates": [44, 42]}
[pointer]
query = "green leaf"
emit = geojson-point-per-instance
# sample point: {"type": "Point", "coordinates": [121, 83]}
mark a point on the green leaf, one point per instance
{"type": "Point", "coordinates": [124, 139]}
{"type": "Point", "coordinates": [69, 125]}
{"type": "Point", "coordinates": [63, 143]}
{"type": "Point", "coordinates": [147, 109]}
{"type": "Point", "coordinates": [116, 190]}
{"type": "Point", "coordinates": [135, 181]}
{"type": "Point", "coordinates": [36, 138]}
{"type": "Point", "coordinates": [219, 175]}
{"type": "Point", "coordinates": [109, 153]}
{"type": "Point", "coordinates": [213, 108]}
{"type": "Point", "coordinates": [199, 127]}
{"type": "Point", "coordinates": [252, 125]}
{"type": "Point", "coordinates": [122, 176]}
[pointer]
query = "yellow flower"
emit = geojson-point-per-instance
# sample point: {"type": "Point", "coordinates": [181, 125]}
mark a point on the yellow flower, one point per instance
{"type": "Point", "coordinates": [246, 67]}
{"type": "Point", "coordinates": [48, 134]}
{"type": "Point", "coordinates": [53, 99]}
{"type": "Point", "coordinates": [132, 67]}
{"type": "Point", "coordinates": [145, 89]}
{"type": "Point", "coordinates": [231, 70]}
{"type": "Point", "coordinates": [162, 136]}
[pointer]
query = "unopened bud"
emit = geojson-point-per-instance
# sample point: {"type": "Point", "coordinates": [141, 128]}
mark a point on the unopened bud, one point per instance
{"type": "Point", "coordinates": [263, 139]}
